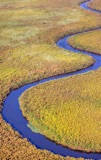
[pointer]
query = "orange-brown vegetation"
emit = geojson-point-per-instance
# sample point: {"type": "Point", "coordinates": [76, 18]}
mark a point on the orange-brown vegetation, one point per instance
{"type": "Point", "coordinates": [95, 4]}
{"type": "Point", "coordinates": [89, 41]}
{"type": "Point", "coordinates": [13, 147]}
{"type": "Point", "coordinates": [28, 32]}
{"type": "Point", "coordinates": [67, 111]}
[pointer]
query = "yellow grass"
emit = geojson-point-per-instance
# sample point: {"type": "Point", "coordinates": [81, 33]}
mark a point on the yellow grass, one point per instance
{"type": "Point", "coordinates": [67, 111]}
{"type": "Point", "coordinates": [28, 32]}
{"type": "Point", "coordinates": [95, 4]}
{"type": "Point", "coordinates": [89, 41]}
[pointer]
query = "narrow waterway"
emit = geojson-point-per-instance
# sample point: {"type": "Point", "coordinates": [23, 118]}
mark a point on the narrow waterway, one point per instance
{"type": "Point", "coordinates": [12, 114]}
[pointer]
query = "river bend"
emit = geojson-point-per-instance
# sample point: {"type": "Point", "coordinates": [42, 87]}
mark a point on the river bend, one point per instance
{"type": "Point", "coordinates": [12, 114]}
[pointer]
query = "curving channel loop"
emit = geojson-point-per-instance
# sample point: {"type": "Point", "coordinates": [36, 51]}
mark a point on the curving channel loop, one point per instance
{"type": "Point", "coordinates": [12, 114]}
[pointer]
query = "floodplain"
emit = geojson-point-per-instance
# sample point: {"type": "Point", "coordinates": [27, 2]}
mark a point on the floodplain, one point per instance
{"type": "Point", "coordinates": [28, 52]}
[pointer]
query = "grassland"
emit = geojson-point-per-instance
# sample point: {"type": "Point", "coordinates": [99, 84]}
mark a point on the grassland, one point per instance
{"type": "Point", "coordinates": [89, 41]}
{"type": "Point", "coordinates": [67, 111]}
{"type": "Point", "coordinates": [95, 4]}
{"type": "Point", "coordinates": [28, 32]}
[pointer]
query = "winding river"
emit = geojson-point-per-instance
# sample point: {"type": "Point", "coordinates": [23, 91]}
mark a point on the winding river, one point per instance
{"type": "Point", "coordinates": [12, 114]}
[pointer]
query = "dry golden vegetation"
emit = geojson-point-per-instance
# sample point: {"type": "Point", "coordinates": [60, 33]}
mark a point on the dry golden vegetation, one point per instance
{"type": "Point", "coordinates": [89, 41]}
{"type": "Point", "coordinates": [95, 4]}
{"type": "Point", "coordinates": [12, 147]}
{"type": "Point", "coordinates": [28, 32]}
{"type": "Point", "coordinates": [67, 111]}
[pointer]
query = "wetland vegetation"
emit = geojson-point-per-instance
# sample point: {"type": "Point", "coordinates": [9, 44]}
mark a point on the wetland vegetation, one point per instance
{"type": "Point", "coordinates": [89, 41]}
{"type": "Point", "coordinates": [95, 4]}
{"type": "Point", "coordinates": [67, 111]}
{"type": "Point", "coordinates": [28, 32]}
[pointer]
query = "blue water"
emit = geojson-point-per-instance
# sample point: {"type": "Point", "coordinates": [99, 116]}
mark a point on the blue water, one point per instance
{"type": "Point", "coordinates": [85, 6]}
{"type": "Point", "coordinates": [12, 114]}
